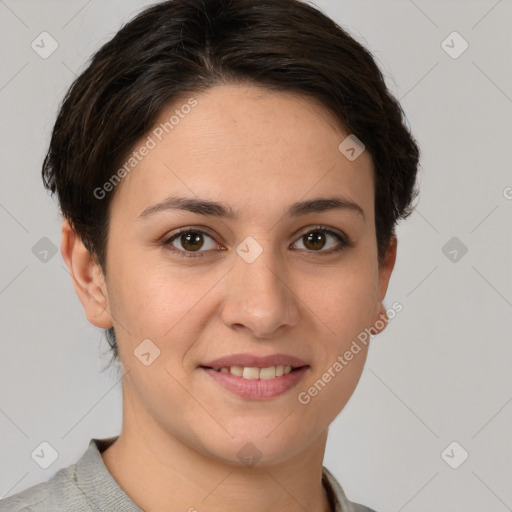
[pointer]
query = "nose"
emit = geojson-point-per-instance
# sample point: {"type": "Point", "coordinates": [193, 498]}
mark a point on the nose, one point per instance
{"type": "Point", "coordinates": [259, 297]}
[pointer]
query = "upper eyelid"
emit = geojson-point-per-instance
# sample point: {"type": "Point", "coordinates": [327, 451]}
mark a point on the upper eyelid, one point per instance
{"type": "Point", "coordinates": [181, 231]}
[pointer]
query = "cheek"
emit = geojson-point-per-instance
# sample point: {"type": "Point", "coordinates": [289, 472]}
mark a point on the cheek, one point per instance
{"type": "Point", "coordinates": [158, 302]}
{"type": "Point", "coordinates": [345, 310]}
{"type": "Point", "coordinates": [343, 301]}
{"type": "Point", "coordinates": [331, 390]}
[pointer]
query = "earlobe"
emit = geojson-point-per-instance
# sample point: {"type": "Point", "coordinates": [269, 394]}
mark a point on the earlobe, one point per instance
{"type": "Point", "coordinates": [87, 277]}
{"type": "Point", "coordinates": [381, 319]}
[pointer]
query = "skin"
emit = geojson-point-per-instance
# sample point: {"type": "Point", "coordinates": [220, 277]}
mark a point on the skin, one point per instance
{"type": "Point", "coordinates": [259, 152]}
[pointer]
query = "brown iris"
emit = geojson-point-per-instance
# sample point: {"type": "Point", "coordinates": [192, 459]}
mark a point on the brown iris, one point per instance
{"type": "Point", "coordinates": [316, 239]}
{"type": "Point", "coordinates": [192, 241]}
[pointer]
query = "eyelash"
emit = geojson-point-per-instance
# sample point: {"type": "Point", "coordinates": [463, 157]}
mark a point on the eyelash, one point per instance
{"type": "Point", "coordinates": [345, 242]}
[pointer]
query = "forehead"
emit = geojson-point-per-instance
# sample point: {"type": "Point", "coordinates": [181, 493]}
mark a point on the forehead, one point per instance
{"type": "Point", "coordinates": [249, 147]}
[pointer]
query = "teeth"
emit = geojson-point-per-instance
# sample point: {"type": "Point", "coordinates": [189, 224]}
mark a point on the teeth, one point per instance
{"type": "Point", "coordinates": [253, 373]}
{"type": "Point", "coordinates": [267, 373]}
{"type": "Point", "coordinates": [236, 370]}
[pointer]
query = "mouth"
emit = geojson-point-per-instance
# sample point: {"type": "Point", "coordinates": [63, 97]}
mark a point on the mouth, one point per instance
{"type": "Point", "coordinates": [254, 377]}
{"type": "Point", "coordinates": [255, 373]}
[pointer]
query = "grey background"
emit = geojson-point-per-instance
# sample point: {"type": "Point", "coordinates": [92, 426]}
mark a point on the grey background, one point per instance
{"type": "Point", "coordinates": [439, 373]}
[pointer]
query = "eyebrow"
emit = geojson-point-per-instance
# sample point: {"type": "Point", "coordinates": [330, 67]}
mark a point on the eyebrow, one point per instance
{"type": "Point", "coordinates": [215, 209]}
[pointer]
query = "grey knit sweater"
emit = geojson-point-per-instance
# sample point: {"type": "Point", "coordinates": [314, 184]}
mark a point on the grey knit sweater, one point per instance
{"type": "Point", "coordinates": [88, 486]}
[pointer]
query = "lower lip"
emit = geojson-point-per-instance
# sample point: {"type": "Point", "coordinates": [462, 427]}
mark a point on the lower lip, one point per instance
{"type": "Point", "coordinates": [257, 389]}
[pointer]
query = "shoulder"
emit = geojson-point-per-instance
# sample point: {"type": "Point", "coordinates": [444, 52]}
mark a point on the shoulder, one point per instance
{"type": "Point", "coordinates": [337, 496]}
{"type": "Point", "coordinates": [34, 499]}
{"type": "Point", "coordinates": [60, 492]}
{"type": "Point", "coordinates": [84, 486]}
{"type": "Point", "coordinates": [29, 500]}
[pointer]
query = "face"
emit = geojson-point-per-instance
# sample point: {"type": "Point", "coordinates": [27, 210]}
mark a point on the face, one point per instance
{"type": "Point", "coordinates": [254, 281]}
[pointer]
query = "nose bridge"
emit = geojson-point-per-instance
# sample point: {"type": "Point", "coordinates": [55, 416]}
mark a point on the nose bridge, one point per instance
{"type": "Point", "coordinates": [258, 296]}
{"type": "Point", "coordinates": [261, 274]}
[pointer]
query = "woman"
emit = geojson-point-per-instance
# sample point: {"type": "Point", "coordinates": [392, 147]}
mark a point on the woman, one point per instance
{"type": "Point", "coordinates": [230, 174]}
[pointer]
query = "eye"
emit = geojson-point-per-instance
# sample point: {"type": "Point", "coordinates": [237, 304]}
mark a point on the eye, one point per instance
{"type": "Point", "coordinates": [317, 239]}
{"type": "Point", "coordinates": [191, 241]}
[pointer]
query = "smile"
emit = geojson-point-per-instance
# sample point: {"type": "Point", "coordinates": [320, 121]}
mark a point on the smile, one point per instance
{"type": "Point", "coordinates": [253, 383]}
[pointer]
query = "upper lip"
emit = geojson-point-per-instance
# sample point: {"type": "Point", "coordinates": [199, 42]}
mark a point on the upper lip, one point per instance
{"type": "Point", "coordinates": [253, 361]}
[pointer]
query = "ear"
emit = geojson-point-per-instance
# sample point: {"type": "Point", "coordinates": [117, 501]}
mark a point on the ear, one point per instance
{"type": "Point", "coordinates": [87, 276]}
{"type": "Point", "coordinates": [380, 316]}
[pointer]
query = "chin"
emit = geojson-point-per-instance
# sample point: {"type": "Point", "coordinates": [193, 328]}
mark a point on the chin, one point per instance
{"type": "Point", "coordinates": [262, 444]}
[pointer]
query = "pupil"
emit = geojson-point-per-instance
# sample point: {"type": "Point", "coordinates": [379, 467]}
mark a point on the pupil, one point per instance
{"type": "Point", "coordinates": [317, 239]}
{"type": "Point", "coordinates": [190, 240]}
